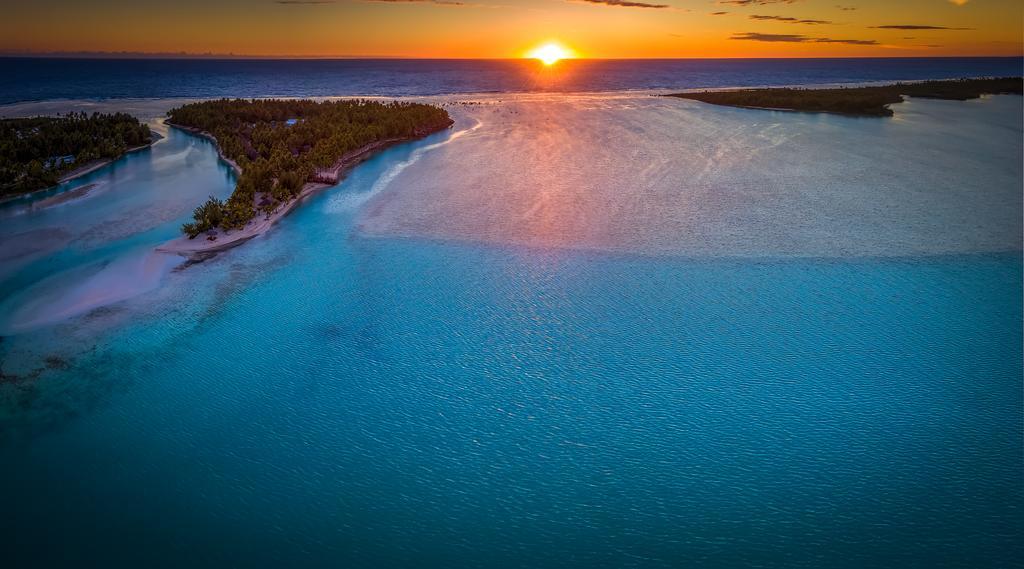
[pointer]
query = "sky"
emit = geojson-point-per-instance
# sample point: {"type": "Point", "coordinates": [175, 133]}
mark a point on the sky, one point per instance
{"type": "Point", "coordinates": [511, 28]}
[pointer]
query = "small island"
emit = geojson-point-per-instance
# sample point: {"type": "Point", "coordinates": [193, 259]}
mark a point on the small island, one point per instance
{"type": "Point", "coordinates": [41, 152]}
{"type": "Point", "coordinates": [283, 150]}
{"type": "Point", "coordinates": [869, 101]}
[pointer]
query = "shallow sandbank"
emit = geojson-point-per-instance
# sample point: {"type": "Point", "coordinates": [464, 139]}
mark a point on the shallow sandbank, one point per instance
{"type": "Point", "coordinates": [658, 176]}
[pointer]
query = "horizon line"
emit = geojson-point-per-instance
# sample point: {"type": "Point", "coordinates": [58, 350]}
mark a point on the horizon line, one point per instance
{"type": "Point", "coordinates": [211, 56]}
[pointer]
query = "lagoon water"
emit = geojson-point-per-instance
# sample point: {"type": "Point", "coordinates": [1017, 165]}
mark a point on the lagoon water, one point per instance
{"type": "Point", "coordinates": [604, 331]}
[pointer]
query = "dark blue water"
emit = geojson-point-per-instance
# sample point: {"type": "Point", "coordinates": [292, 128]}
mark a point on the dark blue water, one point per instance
{"type": "Point", "coordinates": [29, 79]}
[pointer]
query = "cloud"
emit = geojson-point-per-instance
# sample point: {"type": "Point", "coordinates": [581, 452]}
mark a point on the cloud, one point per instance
{"type": "Point", "coordinates": [438, 2]}
{"type": "Point", "coordinates": [769, 37]}
{"type": "Point", "coordinates": [796, 38]}
{"type": "Point", "coordinates": [718, 13]}
{"type": "Point", "coordinates": [915, 27]}
{"type": "Point", "coordinates": [756, 2]}
{"type": "Point", "coordinates": [851, 8]}
{"type": "Point", "coordinates": [626, 4]}
{"type": "Point", "coordinates": [789, 20]}
{"type": "Point", "coordinates": [849, 42]}
{"type": "Point", "coordinates": [322, 2]}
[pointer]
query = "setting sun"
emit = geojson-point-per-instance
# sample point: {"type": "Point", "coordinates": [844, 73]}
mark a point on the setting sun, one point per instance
{"type": "Point", "coordinates": [550, 53]}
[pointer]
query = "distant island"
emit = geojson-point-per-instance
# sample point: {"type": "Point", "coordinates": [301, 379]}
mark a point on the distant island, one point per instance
{"type": "Point", "coordinates": [871, 101]}
{"type": "Point", "coordinates": [38, 153]}
{"type": "Point", "coordinates": [283, 150]}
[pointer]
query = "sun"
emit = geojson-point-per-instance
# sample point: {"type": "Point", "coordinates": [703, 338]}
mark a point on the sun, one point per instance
{"type": "Point", "coordinates": [550, 53]}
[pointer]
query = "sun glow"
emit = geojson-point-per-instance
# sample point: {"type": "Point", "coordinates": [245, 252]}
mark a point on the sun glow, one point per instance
{"type": "Point", "coordinates": [550, 53]}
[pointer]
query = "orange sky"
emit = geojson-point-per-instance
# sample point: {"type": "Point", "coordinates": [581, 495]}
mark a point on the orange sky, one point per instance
{"type": "Point", "coordinates": [509, 28]}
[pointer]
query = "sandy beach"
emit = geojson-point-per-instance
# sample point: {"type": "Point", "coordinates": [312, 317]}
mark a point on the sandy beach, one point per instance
{"type": "Point", "coordinates": [97, 164]}
{"type": "Point", "coordinates": [89, 167]}
{"type": "Point", "coordinates": [212, 242]}
{"type": "Point", "coordinates": [204, 247]}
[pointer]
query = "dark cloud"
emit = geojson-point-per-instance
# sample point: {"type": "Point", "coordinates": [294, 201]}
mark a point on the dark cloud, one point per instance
{"type": "Point", "coordinates": [846, 8]}
{"type": "Point", "coordinates": [756, 2]}
{"type": "Point", "coordinates": [321, 2]}
{"type": "Point", "coordinates": [796, 38]}
{"type": "Point", "coordinates": [438, 2]}
{"type": "Point", "coordinates": [850, 42]}
{"type": "Point", "coordinates": [626, 3]}
{"type": "Point", "coordinates": [718, 13]}
{"type": "Point", "coordinates": [790, 20]}
{"type": "Point", "coordinates": [769, 37]}
{"type": "Point", "coordinates": [915, 27]}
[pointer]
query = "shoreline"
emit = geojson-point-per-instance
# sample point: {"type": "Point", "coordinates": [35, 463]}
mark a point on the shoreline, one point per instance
{"type": "Point", "coordinates": [785, 110]}
{"type": "Point", "coordinates": [199, 249]}
{"type": "Point", "coordinates": [88, 168]}
{"type": "Point", "coordinates": [91, 167]}
{"type": "Point", "coordinates": [203, 134]}
{"type": "Point", "coordinates": [625, 91]}
{"type": "Point", "coordinates": [873, 101]}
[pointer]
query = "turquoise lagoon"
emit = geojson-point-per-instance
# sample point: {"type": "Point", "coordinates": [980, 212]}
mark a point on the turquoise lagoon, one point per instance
{"type": "Point", "coordinates": [407, 372]}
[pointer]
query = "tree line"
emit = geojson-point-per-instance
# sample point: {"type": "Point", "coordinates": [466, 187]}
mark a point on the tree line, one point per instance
{"type": "Point", "coordinates": [36, 152]}
{"type": "Point", "coordinates": [278, 144]}
{"type": "Point", "coordinates": [872, 100]}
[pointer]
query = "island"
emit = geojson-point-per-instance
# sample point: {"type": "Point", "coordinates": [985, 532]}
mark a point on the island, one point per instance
{"type": "Point", "coordinates": [41, 152]}
{"type": "Point", "coordinates": [868, 101]}
{"type": "Point", "coordinates": [283, 150]}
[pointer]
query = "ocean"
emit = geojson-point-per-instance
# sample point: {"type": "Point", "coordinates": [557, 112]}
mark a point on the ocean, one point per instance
{"type": "Point", "coordinates": [36, 79]}
{"type": "Point", "coordinates": [578, 329]}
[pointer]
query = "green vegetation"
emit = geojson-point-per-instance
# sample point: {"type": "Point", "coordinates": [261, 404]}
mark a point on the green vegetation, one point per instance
{"type": "Point", "coordinates": [279, 144]}
{"type": "Point", "coordinates": [862, 101]}
{"type": "Point", "coordinates": [36, 152]}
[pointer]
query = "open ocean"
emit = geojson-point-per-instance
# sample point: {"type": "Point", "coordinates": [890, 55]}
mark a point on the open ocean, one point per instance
{"type": "Point", "coordinates": [34, 79]}
{"type": "Point", "coordinates": [575, 330]}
